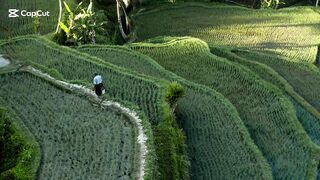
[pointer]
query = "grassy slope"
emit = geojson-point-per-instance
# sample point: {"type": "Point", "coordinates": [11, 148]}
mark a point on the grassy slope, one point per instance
{"type": "Point", "coordinates": [292, 32]}
{"type": "Point", "coordinates": [307, 114]}
{"type": "Point", "coordinates": [19, 152]}
{"type": "Point", "coordinates": [146, 92]}
{"type": "Point", "coordinates": [61, 62]}
{"type": "Point", "coordinates": [208, 120]}
{"type": "Point", "coordinates": [303, 77]}
{"type": "Point", "coordinates": [267, 113]}
{"type": "Point", "coordinates": [63, 124]}
{"type": "Point", "coordinates": [24, 25]}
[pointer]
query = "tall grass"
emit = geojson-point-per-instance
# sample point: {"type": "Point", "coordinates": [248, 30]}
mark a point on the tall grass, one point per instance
{"type": "Point", "coordinates": [146, 92]}
{"type": "Point", "coordinates": [267, 113]}
{"type": "Point", "coordinates": [20, 153]}
{"type": "Point", "coordinates": [303, 77]}
{"type": "Point", "coordinates": [292, 32]}
{"type": "Point", "coordinates": [307, 114]}
{"type": "Point", "coordinates": [76, 138]}
{"type": "Point", "coordinates": [207, 118]}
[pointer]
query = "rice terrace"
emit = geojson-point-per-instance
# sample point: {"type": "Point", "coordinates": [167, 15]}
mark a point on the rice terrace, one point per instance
{"type": "Point", "coordinates": [159, 89]}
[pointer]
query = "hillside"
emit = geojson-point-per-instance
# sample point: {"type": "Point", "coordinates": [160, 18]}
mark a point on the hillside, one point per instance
{"type": "Point", "coordinates": [199, 90]}
{"type": "Point", "coordinates": [147, 93]}
{"type": "Point", "coordinates": [261, 105]}
{"type": "Point", "coordinates": [306, 113]}
{"type": "Point", "coordinates": [291, 32]}
{"type": "Point", "coordinates": [63, 123]}
{"type": "Point", "coordinates": [207, 118]}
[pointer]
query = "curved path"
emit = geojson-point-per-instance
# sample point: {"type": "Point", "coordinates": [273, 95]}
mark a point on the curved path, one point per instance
{"type": "Point", "coordinates": [134, 118]}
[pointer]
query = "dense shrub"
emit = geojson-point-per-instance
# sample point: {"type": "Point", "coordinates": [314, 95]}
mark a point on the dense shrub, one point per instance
{"type": "Point", "coordinates": [171, 148]}
{"type": "Point", "coordinates": [174, 92]}
{"type": "Point", "coordinates": [15, 152]}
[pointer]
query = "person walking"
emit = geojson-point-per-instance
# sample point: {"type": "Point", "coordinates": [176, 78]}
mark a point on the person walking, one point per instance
{"type": "Point", "coordinates": [98, 85]}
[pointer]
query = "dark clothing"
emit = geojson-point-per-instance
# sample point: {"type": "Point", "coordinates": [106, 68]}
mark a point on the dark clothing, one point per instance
{"type": "Point", "coordinates": [98, 89]}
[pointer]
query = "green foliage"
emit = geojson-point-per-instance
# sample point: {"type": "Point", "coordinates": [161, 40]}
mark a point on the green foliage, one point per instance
{"type": "Point", "coordinates": [171, 149]}
{"type": "Point", "coordinates": [270, 4]}
{"type": "Point", "coordinates": [307, 114]}
{"type": "Point", "coordinates": [63, 59]}
{"type": "Point", "coordinates": [267, 113]}
{"type": "Point", "coordinates": [60, 37]}
{"type": "Point", "coordinates": [51, 71]}
{"type": "Point", "coordinates": [128, 60]}
{"type": "Point", "coordinates": [67, 125]}
{"type": "Point", "coordinates": [36, 25]}
{"type": "Point", "coordinates": [81, 24]}
{"type": "Point", "coordinates": [10, 146]}
{"type": "Point", "coordinates": [302, 76]}
{"type": "Point", "coordinates": [11, 27]}
{"type": "Point", "coordinates": [65, 29]}
{"type": "Point", "coordinates": [151, 169]}
{"type": "Point", "coordinates": [146, 92]}
{"type": "Point", "coordinates": [151, 91]}
{"type": "Point", "coordinates": [174, 93]}
{"type": "Point", "coordinates": [106, 33]}
{"type": "Point", "coordinates": [203, 113]}
{"type": "Point", "coordinates": [234, 26]}
{"type": "Point", "coordinates": [15, 151]}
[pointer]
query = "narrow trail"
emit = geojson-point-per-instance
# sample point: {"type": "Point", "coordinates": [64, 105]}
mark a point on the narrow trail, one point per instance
{"type": "Point", "coordinates": [134, 118]}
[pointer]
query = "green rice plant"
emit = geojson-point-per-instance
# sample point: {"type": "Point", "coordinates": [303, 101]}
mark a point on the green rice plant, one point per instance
{"type": "Point", "coordinates": [295, 54]}
{"type": "Point", "coordinates": [267, 113]}
{"type": "Point", "coordinates": [174, 93]}
{"type": "Point", "coordinates": [219, 145]}
{"type": "Point", "coordinates": [10, 27]}
{"type": "Point", "coordinates": [128, 59]}
{"type": "Point", "coordinates": [292, 32]}
{"type": "Point", "coordinates": [146, 92]}
{"type": "Point", "coordinates": [77, 139]}
{"type": "Point", "coordinates": [36, 25]}
{"type": "Point", "coordinates": [307, 115]}
{"type": "Point", "coordinates": [19, 153]}
{"type": "Point", "coordinates": [303, 77]}
{"type": "Point", "coordinates": [63, 60]}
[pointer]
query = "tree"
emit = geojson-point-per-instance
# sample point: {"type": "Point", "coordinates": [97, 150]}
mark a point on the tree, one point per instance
{"type": "Point", "coordinates": [80, 25]}
{"type": "Point", "coordinates": [274, 4]}
{"type": "Point", "coordinates": [60, 16]}
{"type": "Point", "coordinates": [121, 8]}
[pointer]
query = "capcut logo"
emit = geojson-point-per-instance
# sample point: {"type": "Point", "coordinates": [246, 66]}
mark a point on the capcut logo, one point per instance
{"type": "Point", "coordinates": [13, 13]}
{"type": "Point", "coordinates": [24, 13]}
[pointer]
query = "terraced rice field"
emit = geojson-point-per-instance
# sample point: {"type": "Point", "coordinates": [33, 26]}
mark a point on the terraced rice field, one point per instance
{"type": "Point", "coordinates": [306, 113]}
{"type": "Point", "coordinates": [77, 139]}
{"type": "Point", "coordinates": [303, 77]}
{"type": "Point", "coordinates": [267, 113]}
{"type": "Point", "coordinates": [10, 27]}
{"type": "Point", "coordinates": [147, 93]}
{"type": "Point", "coordinates": [208, 120]}
{"type": "Point", "coordinates": [61, 63]}
{"type": "Point", "coordinates": [291, 32]}
{"type": "Point", "coordinates": [250, 111]}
